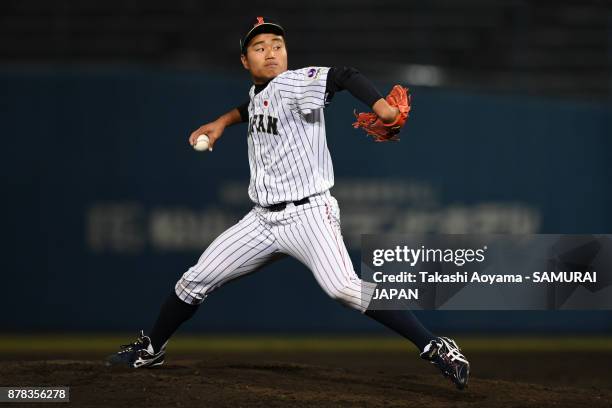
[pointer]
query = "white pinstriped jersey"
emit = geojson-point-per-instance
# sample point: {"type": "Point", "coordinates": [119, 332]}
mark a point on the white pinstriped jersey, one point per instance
{"type": "Point", "coordinates": [289, 160]}
{"type": "Point", "coordinates": [288, 154]}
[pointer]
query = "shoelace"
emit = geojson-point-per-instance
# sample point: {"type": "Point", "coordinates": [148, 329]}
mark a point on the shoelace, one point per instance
{"type": "Point", "coordinates": [451, 353]}
{"type": "Point", "coordinates": [129, 347]}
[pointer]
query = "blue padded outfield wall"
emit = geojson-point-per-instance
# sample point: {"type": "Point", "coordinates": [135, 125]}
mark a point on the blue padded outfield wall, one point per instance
{"type": "Point", "coordinates": [106, 204]}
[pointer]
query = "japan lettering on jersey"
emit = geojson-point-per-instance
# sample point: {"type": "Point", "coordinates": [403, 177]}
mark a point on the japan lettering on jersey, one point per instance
{"type": "Point", "coordinates": [288, 154]}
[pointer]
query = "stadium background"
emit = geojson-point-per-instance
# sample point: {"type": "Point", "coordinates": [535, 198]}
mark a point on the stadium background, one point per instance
{"type": "Point", "coordinates": [106, 204]}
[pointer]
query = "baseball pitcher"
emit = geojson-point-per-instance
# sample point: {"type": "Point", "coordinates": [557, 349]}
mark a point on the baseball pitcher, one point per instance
{"type": "Point", "coordinates": [293, 212]}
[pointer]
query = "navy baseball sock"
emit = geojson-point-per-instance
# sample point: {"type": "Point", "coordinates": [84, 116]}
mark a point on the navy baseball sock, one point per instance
{"type": "Point", "coordinates": [405, 323]}
{"type": "Point", "coordinates": [172, 314]}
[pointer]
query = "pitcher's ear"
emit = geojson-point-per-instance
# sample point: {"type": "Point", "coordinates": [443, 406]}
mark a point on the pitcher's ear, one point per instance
{"type": "Point", "coordinates": [245, 61]}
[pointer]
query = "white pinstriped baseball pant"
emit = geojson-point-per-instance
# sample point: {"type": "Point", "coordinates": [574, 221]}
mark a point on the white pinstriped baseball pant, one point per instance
{"type": "Point", "coordinates": [309, 232]}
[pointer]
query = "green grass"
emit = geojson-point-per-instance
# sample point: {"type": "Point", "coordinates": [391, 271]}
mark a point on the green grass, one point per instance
{"type": "Point", "coordinates": [24, 344]}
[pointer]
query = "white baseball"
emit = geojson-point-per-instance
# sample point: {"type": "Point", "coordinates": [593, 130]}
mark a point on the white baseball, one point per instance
{"type": "Point", "coordinates": [202, 143]}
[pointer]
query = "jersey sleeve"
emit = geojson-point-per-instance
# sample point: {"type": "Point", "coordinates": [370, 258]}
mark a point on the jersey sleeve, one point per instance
{"type": "Point", "coordinates": [304, 89]}
{"type": "Point", "coordinates": [341, 78]}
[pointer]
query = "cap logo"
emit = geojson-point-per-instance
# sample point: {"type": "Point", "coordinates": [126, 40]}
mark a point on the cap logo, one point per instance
{"type": "Point", "coordinates": [260, 20]}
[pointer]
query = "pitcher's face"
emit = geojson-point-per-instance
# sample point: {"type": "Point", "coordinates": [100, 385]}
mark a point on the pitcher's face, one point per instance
{"type": "Point", "coordinates": [265, 58]}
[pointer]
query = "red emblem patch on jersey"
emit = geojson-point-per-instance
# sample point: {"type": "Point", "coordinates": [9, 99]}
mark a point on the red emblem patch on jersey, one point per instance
{"type": "Point", "coordinates": [265, 103]}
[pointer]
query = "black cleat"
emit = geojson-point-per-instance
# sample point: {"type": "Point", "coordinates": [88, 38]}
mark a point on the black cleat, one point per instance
{"type": "Point", "coordinates": [444, 353]}
{"type": "Point", "coordinates": [138, 354]}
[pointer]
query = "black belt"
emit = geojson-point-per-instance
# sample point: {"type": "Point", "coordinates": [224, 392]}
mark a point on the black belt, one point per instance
{"type": "Point", "coordinates": [282, 206]}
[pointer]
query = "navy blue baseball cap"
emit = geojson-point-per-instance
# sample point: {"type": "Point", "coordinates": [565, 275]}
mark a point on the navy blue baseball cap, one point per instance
{"type": "Point", "coordinates": [259, 25]}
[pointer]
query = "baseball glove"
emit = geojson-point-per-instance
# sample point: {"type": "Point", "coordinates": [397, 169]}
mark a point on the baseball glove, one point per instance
{"type": "Point", "coordinates": [385, 132]}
